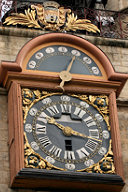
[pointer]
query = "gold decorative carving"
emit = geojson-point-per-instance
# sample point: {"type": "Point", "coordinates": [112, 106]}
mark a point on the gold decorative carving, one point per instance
{"type": "Point", "coordinates": [100, 102]}
{"type": "Point", "coordinates": [50, 16]}
{"type": "Point", "coordinates": [28, 19]}
{"type": "Point", "coordinates": [82, 97]}
{"type": "Point", "coordinates": [105, 165]}
{"type": "Point", "coordinates": [34, 160]}
{"type": "Point", "coordinates": [29, 97]}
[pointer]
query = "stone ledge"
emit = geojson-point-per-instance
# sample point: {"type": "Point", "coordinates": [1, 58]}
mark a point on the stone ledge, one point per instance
{"type": "Point", "coordinates": [122, 102]}
{"type": "Point", "coordinates": [23, 32]}
{"type": "Point", "coordinates": [3, 91]}
{"type": "Point", "coordinates": [20, 32]}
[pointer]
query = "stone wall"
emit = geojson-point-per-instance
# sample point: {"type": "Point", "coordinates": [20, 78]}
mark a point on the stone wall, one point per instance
{"type": "Point", "coordinates": [112, 5]}
{"type": "Point", "coordinates": [116, 5]}
{"type": "Point", "coordinates": [123, 123]}
{"type": "Point", "coordinates": [123, 4]}
{"type": "Point", "coordinates": [10, 43]}
{"type": "Point", "coordinates": [4, 157]}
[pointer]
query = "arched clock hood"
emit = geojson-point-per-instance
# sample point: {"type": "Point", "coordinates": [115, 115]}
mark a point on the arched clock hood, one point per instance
{"type": "Point", "coordinates": [109, 76]}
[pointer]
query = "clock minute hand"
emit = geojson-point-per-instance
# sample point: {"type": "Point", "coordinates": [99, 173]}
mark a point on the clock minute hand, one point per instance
{"type": "Point", "coordinates": [84, 136]}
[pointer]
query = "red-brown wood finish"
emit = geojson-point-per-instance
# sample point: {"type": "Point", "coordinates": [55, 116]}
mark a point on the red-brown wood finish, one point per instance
{"type": "Point", "coordinates": [15, 121]}
{"type": "Point", "coordinates": [115, 133]}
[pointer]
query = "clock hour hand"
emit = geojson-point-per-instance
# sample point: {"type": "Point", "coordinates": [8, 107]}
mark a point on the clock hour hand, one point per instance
{"type": "Point", "coordinates": [68, 131]}
{"type": "Point", "coordinates": [51, 120]}
{"type": "Point", "coordinates": [70, 64]}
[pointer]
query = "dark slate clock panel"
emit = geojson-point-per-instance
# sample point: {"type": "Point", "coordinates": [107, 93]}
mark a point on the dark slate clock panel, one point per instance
{"type": "Point", "coordinates": [56, 58]}
{"type": "Point", "coordinates": [86, 146]}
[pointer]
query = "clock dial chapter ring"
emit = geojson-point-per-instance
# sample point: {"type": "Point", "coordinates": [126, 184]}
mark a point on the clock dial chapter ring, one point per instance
{"type": "Point", "coordinates": [53, 59]}
{"type": "Point", "coordinates": [66, 130]}
{"type": "Point", "coordinates": [75, 141]}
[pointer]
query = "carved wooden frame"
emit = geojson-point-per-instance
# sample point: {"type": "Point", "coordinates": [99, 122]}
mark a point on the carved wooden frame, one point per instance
{"type": "Point", "coordinates": [14, 78]}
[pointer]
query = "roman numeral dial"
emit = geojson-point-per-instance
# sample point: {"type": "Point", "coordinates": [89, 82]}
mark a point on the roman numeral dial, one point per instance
{"type": "Point", "coordinates": [67, 131]}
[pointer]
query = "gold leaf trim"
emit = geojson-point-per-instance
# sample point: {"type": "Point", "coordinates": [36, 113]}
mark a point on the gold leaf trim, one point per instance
{"type": "Point", "coordinates": [28, 19]}
{"type": "Point", "coordinates": [105, 165]}
{"type": "Point", "coordinates": [34, 160]}
{"type": "Point", "coordinates": [34, 17]}
{"type": "Point", "coordinates": [74, 24]}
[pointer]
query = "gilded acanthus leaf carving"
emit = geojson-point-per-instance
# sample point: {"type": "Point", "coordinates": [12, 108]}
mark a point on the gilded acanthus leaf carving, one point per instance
{"type": "Point", "coordinates": [80, 24]}
{"type": "Point", "coordinates": [51, 17]}
{"type": "Point", "coordinates": [34, 160]}
{"type": "Point", "coordinates": [105, 165]}
{"type": "Point", "coordinates": [37, 94]}
{"type": "Point", "coordinates": [28, 19]}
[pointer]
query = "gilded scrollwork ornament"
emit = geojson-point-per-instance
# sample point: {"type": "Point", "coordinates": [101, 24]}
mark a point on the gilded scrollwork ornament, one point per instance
{"type": "Point", "coordinates": [50, 16]}
{"type": "Point", "coordinates": [82, 97]}
{"type": "Point", "coordinates": [105, 165]}
{"type": "Point", "coordinates": [28, 96]}
{"type": "Point", "coordinates": [102, 104]}
{"type": "Point", "coordinates": [34, 160]}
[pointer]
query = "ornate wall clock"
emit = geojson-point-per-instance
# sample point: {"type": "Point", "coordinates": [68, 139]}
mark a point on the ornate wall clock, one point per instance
{"type": "Point", "coordinates": [70, 132]}
{"type": "Point", "coordinates": [63, 125]}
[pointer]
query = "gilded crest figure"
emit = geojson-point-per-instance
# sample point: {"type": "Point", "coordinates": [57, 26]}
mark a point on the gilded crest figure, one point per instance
{"type": "Point", "coordinates": [50, 16]}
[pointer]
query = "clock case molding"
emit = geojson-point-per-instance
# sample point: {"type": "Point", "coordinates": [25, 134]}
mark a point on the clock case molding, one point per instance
{"type": "Point", "coordinates": [14, 77]}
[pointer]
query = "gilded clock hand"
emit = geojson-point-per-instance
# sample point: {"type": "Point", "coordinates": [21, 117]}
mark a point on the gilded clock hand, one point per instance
{"type": "Point", "coordinates": [51, 120]}
{"type": "Point", "coordinates": [70, 64]}
{"type": "Point", "coordinates": [76, 133]}
{"type": "Point", "coordinates": [68, 131]}
{"type": "Point", "coordinates": [66, 75]}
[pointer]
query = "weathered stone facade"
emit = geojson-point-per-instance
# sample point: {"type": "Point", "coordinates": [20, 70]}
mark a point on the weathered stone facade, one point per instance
{"type": "Point", "coordinates": [12, 40]}
{"type": "Point", "coordinates": [117, 5]}
{"type": "Point", "coordinates": [123, 122]}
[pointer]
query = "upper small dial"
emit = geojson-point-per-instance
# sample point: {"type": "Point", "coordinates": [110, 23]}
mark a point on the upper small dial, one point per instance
{"type": "Point", "coordinates": [56, 58]}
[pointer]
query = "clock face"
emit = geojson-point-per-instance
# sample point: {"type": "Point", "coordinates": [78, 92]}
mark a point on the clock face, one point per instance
{"type": "Point", "coordinates": [67, 132]}
{"type": "Point", "coordinates": [56, 58]}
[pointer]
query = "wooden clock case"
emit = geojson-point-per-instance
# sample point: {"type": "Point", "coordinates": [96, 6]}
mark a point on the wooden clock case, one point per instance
{"type": "Point", "coordinates": [14, 76]}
